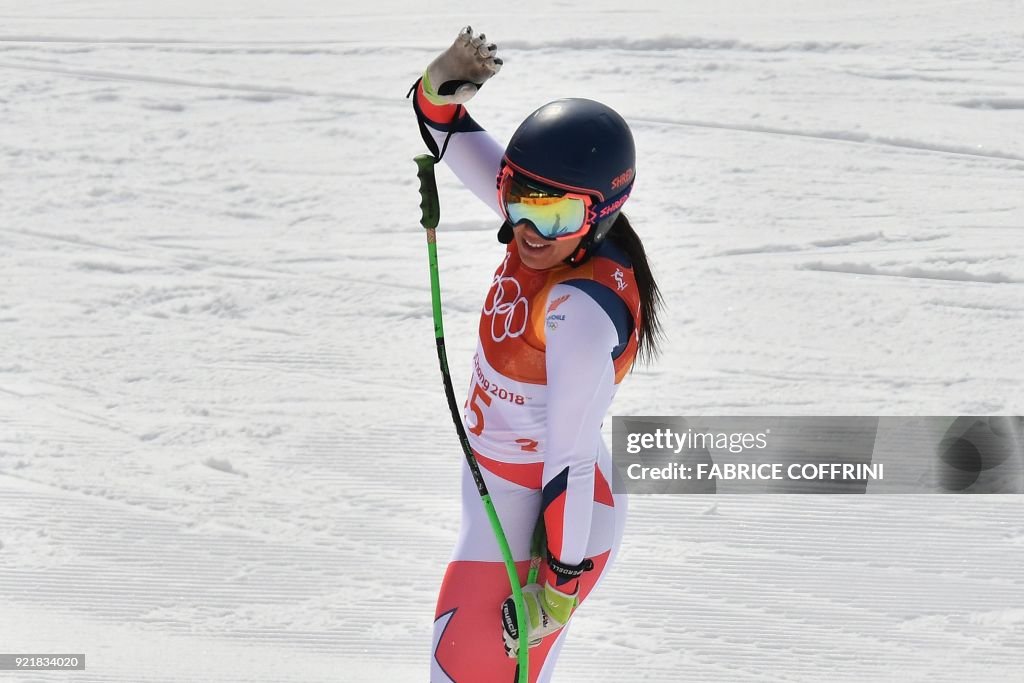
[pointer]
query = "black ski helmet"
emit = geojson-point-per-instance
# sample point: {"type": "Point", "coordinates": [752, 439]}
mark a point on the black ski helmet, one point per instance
{"type": "Point", "coordinates": [580, 145]}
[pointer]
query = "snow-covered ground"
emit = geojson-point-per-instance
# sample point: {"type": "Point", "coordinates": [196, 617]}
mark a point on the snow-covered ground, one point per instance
{"type": "Point", "coordinates": [224, 449]}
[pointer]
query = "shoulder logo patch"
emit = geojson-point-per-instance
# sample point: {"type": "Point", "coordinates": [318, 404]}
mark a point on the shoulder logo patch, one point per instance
{"type": "Point", "coordinates": [558, 302]}
{"type": "Point", "coordinates": [620, 280]}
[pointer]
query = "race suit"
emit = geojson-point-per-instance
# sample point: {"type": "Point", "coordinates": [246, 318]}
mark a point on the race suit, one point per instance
{"type": "Point", "coordinates": [553, 346]}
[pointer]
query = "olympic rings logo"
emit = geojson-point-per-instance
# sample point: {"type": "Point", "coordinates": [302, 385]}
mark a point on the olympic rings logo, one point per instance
{"type": "Point", "coordinates": [508, 308]}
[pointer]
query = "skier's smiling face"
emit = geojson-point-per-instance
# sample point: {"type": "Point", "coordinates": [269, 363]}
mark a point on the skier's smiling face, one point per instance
{"type": "Point", "coordinates": [539, 253]}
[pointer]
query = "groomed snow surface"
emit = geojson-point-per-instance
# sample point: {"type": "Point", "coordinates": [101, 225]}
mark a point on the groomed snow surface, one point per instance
{"type": "Point", "coordinates": [224, 449]}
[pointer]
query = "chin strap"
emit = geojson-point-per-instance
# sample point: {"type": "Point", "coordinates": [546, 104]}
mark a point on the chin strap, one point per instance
{"type": "Point", "coordinates": [582, 253]}
{"type": "Point", "coordinates": [578, 257]}
{"type": "Point", "coordinates": [592, 240]}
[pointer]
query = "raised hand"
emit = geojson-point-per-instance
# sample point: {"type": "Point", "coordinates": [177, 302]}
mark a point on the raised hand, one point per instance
{"type": "Point", "coordinates": [458, 72]}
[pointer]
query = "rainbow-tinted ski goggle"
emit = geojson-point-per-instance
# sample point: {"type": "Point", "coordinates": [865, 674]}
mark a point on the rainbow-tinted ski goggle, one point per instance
{"type": "Point", "coordinates": [553, 211]}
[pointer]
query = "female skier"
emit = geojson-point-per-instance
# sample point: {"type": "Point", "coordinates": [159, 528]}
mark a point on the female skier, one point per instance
{"type": "Point", "coordinates": [571, 305]}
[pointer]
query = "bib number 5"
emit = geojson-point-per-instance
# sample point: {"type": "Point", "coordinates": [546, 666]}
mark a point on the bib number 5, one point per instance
{"type": "Point", "coordinates": [479, 396]}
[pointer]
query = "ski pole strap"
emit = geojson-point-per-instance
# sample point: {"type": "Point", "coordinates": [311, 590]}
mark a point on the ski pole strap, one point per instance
{"type": "Point", "coordinates": [421, 119]}
{"type": "Point", "coordinates": [569, 571]}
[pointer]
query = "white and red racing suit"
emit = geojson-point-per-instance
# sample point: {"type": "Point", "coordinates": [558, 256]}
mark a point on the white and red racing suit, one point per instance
{"type": "Point", "coordinates": [553, 346]}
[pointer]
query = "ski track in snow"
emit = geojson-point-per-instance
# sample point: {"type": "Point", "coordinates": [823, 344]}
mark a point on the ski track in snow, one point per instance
{"type": "Point", "coordinates": [224, 451]}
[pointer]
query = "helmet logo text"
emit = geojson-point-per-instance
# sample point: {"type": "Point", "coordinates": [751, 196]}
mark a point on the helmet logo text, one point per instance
{"type": "Point", "coordinates": [622, 179]}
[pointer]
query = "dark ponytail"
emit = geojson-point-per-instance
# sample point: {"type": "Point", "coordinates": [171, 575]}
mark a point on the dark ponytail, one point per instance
{"type": "Point", "coordinates": [626, 239]}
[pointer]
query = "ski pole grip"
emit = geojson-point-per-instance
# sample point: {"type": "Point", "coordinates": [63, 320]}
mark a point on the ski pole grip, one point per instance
{"type": "Point", "coordinates": [428, 191]}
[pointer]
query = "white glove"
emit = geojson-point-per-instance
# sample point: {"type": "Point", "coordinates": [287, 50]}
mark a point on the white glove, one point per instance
{"type": "Point", "coordinates": [461, 70]}
{"type": "Point", "coordinates": [547, 611]}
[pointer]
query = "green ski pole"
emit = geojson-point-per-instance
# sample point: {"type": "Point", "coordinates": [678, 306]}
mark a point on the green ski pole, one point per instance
{"type": "Point", "coordinates": [431, 215]}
